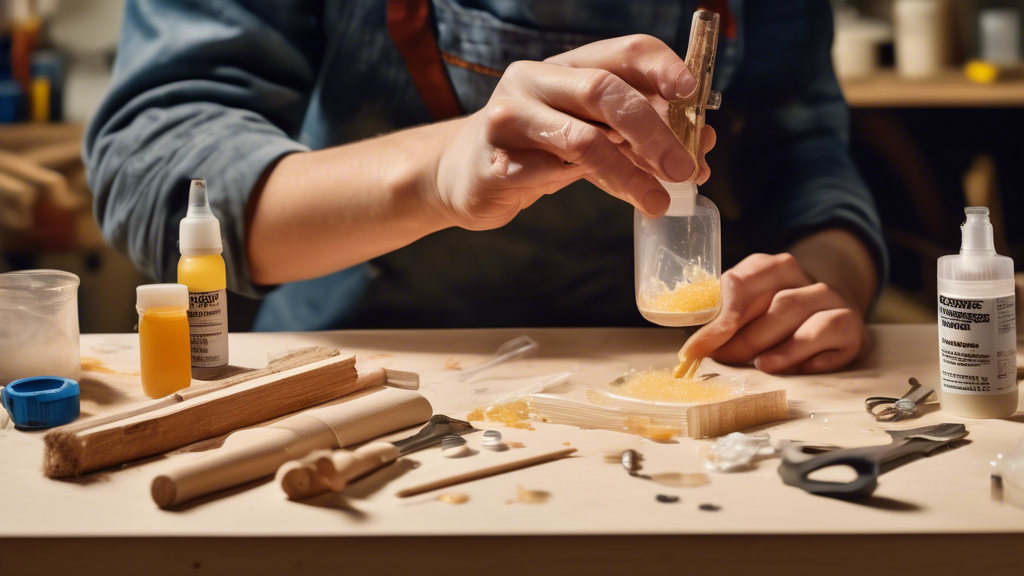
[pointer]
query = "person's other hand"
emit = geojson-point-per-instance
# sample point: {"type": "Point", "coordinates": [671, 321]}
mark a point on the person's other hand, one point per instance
{"type": "Point", "coordinates": [775, 316]}
{"type": "Point", "coordinates": [598, 112]}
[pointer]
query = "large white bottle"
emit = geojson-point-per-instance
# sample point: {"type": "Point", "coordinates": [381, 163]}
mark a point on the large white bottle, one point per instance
{"type": "Point", "coordinates": [977, 326]}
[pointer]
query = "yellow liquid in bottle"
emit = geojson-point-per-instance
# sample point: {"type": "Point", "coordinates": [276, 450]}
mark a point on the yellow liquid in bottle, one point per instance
{"type": "Point", "coordinates": [205, 275]}
{"type": "Point", "coordinates": [202, 273]}
{"type": "Point", "coordinates": [165, 355]}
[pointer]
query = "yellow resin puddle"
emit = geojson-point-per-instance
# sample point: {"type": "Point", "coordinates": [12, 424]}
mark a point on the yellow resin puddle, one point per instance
{"type": "Point", "coordinates": [643, 426]}
{"type": "Point", "coordinates": [515, 414]}
{"type": "Point", "coordinates": [663, 386]}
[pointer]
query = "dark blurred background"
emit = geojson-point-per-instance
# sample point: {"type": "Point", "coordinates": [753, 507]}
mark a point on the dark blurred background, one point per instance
{"type": "Point", "coordinates": [936, 90]}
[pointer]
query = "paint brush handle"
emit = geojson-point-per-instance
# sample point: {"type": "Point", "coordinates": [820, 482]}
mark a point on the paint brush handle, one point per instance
{"type": "Point", "coordinates": [327, 470]}
{"type": "Point", "coordinates": [515, 461]}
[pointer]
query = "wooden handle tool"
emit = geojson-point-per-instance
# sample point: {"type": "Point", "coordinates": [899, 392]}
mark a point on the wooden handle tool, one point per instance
{"type": "Point", "coordinates": [327, 470]}
{"type": "Point", "coordinates": [258, 452]}
{"type": "Point", "coordinates": [324, 470]}
{"type": "Point", "coordinates": [686, 117]}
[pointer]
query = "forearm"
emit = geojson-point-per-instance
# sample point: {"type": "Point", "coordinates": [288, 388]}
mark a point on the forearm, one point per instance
{"type": "Point", "coordinates": [318, 212]}
{"type": "Point", "coordinates": [841, 260]}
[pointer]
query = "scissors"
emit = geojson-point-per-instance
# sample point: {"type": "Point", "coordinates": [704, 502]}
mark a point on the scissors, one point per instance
{"type": "Point", "coordinates": [896, 409]}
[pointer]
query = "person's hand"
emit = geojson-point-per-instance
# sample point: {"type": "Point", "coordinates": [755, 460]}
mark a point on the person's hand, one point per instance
{"type": "Point", "coordinates": [775, 316]}
{"type": "Point", "coordinates": [598, 112]}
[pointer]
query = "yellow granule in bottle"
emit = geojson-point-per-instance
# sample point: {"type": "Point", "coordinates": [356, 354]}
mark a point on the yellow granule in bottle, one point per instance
{"type": "Point", "coordinates": [699, 296]}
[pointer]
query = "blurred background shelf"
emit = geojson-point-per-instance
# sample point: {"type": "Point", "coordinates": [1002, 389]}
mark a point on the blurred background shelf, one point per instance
{"type": "Point", "coordinates": [951, 89]}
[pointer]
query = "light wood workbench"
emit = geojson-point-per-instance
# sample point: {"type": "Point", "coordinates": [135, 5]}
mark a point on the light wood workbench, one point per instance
{"type": "Point", "coordinates": [932, 516]}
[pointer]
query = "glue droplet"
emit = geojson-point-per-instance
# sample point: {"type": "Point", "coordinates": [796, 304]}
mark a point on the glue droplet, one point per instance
{"type": "Point", "coordinates": [667, 498]}
{"type": "Point", "coordinates": [453, 498]}
{"type": "Point", "coordinates": [710, 507]}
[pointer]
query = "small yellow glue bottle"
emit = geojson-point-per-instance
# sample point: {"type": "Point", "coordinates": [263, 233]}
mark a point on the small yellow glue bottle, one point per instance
{"type": "Point", "coordinates": [164, 355]}
{"type": "Point", "coordinates": [201, 269]}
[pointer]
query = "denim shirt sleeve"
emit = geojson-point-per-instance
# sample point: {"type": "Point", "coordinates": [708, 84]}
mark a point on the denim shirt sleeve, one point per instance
{"type": "Point", "coordinates": [793, 160]}
{"type": "Point", "coordinates": [208, 89]}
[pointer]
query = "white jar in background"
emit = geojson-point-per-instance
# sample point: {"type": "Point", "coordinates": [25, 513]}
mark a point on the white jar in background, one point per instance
{"type": "Point", "coordinates": [855, 50]}
{"type": "Point", "coordinates": [999, 36]}
{"type": "Point", "coordinates": [922, 42]}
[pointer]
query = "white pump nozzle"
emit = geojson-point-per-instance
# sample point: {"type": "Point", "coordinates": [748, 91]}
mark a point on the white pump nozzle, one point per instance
{"type": "Point", "coordinates": [199, 232]}
{"type": "Point", "coordinates": [977, 233]}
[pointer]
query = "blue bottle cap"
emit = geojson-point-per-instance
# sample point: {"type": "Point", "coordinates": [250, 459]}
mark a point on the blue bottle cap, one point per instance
{"type": "Point", "coordinates": [41, 401]}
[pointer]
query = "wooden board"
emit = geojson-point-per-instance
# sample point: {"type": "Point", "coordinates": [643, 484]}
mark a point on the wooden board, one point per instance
{"type": "Point", "coordinates": [209, 415]}
{"type": "Point", "coordinates": [720, 418]}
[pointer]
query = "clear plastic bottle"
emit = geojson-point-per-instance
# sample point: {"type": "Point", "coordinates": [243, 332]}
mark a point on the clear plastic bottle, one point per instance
{"type": "Point", "coordinates": [201, 268]}
{"type": "Point", "coordinates": [678, 260]}
{"type": "Point", "coordinates": [977, 326]}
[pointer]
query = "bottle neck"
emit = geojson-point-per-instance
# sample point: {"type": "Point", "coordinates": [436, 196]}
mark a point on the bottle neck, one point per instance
{"type": "Point", "coordinates": [683, 198]}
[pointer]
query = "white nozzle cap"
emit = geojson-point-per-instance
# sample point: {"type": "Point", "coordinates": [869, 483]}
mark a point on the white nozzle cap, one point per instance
{"type": "Point", "coordinates": [199, 232]}
{"type": "Point", "coordinates": [160, 296]}
{"type": "Point", "coordinates": [977, 233]}
{"type": "Point", "coordinates": [683, 198]}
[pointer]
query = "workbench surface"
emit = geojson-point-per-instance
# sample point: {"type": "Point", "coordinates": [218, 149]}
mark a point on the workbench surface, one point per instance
{"type": "Point", "coordinates": [943, 498]}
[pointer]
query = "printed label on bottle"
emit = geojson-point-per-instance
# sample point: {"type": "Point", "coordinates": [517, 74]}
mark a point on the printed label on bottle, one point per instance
{"type": "Point", "coordinates": [208, 328]}
{"type": "Point", "coordinates": [977, 344]}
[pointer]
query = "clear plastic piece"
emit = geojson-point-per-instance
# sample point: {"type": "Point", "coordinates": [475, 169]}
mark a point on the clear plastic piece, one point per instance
{"type": "Point", "coordinates": [515, 348]}
{"type": "Point", "coordinates": [678, 265]}
{"type": "Point", "coordinates": [737, 451]}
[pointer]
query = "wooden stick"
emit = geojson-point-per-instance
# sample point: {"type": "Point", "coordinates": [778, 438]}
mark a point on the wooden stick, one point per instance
{"type": "Point", "coordinates": [56, 155]}
{"type": "Point", "coordinates": [54, 183]}
{"type": "Point", "coordinates": [16, 200]}
{"type": "Point", "coordinates": [212, 414]}
{"type": "Point", "coordinates": [686, 117]}
{"type": "Point", "coordinates": [287, 361]}
{"type": "Point", "coordinates": [516, 460]}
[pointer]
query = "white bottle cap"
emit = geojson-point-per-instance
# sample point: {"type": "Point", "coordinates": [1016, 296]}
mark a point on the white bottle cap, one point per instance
{"type": "Point", "coordinates": [199, 232]}
{"type": "Point", "coordinates": [977, 233]}
{"type": "Point", "coordinates": [160, 296]}
{"type": "Point", "coordinates": [683, 197]}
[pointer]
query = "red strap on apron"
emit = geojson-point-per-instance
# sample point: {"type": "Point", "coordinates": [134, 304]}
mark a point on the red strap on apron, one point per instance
{"type": "Point", "coordinates": [722, 7]}
{"type": "Point", "coordinates": [410, 29]}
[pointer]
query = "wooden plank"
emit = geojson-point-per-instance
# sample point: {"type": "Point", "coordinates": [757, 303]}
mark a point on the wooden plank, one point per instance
{"type": "Point", "coordinates": [209, 415]}
{"type": "Point", "coordinates": [287, 361]}
{"type": "Point", "coordinates": [720, 418]}
{"type": "Point", "coordinates": [32, 134]}
{"type": "Point", "coordinates": [949, 89]}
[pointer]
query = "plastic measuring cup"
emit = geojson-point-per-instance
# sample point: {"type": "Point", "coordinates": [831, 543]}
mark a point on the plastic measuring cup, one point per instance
{"type": "Point", "coordinates": [39, 325]}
